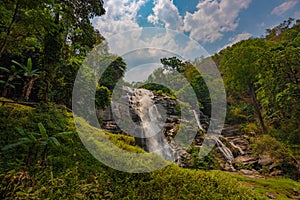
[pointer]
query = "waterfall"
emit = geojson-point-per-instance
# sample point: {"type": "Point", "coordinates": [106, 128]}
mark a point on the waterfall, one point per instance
{"type": "Point", "coordinates": [225, 150]}
{"type": "Point", "coordinates": [152, 137]}
{"type": "Point", "coordinates": [238, 148]}
{"type": "Point", "coordinates": [198, 121]}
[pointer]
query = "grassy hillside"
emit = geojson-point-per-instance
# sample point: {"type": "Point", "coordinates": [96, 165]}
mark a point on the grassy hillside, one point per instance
{"type": "Point", "coordinates": [72, 173]}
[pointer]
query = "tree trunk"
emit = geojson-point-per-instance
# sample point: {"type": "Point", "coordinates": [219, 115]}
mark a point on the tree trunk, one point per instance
{"type": "Point", "coordinates": [3, 45]}
{"type": "Point", "coordinates": [257, 108]}
{"type": "Point", "coordinates": [28, 87]}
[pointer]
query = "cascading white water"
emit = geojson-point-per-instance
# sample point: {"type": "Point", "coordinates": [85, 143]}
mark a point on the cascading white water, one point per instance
{"type": "Point", "coordinates": [198, 121]}
{"type": "Point", "coordinates": [225, 150]}
{"type": "Point", "coordinates": [141, 101]}
{"type": "Point", "coordinates": [238, 148]}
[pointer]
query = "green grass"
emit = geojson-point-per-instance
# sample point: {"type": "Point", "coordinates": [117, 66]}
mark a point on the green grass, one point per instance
{"type": "Point", "coordinates": [73, 173]}
{"type": "Point", "coordinates": [283, 188]}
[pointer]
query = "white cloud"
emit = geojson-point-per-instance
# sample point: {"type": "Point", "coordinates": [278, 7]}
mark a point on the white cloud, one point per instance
{"type": "Point", "coordinates": [155, 39]}
{"type": "Point", "coordinates": [213, 18]}
{"type": "Point", "coordinates": [208, 23]}
{"type": "Point", "coordinates": [282, 8]}
{"type": "Point", "coordinates": [166, 14]}
{"type": "Point", "coordinates": [120, 16]}
{"type": "Point", "coordinates": [237, 38]}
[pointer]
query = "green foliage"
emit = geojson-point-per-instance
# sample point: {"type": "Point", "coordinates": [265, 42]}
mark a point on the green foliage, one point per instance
{"type": "Point", "coordinates": [279, 152]}
{"type": "Point", "coordinates": [173, 63]}
{"type": "Point", "coordinates": [114, 71]}
{"type": "Point", "coordinates": [208, 162]}
{"type": "Point", "coordinates": [30, 75]}
{"type": "Point", "coordinates": [282, 188]}
{"type": "Point", "coordinates": [159, 89]}
{"type": "Point", "coordinates": [239, 112]}
{"type": "Point", "coordinates": [73, 173]}
{"type": "Point", "coordinates": [51, 33]}
{"type": "Point", "coordinates": [102, 97]}
{"type": "Point", "coordinates": [279, 88]}
{"type": "Point", "coordinates": [173, 182]}
{"type": "Point", "coordinates": [8, 80]}
{"type": "Point", "coordinates": [34, 140]}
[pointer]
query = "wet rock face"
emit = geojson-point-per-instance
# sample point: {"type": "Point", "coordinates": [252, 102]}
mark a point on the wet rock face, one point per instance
{"type": "Point", "coordinates": [144, 108]}
{"type": "Point", "coordinates": [243, 162]}
{"type": "Point", "coordinates": [247, 163]}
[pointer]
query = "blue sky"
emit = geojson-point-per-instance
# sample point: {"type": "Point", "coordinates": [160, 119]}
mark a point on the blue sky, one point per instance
{"type": "Point", "coordinates": [213, 23]}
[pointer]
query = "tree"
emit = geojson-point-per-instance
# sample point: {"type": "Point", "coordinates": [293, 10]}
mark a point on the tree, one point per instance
{"type": "Point", "coordinates": [279, 90]}
{"type": "Point", "coordinates": [102, 97]}
{"type": "Point", "coordinates": [51, 32]}
{"type": "Point", "coordinates": [30, 75]}
{"type": "Point", "coordinates": [72, 27]}
{"type": "Point", "coordinates": [113, 72]}
{"type": "Point", "coordinates": [277, 30]}
{"type": "Point", "coordinates": [240, 68]}
{"type": "Point", "coordinates": [9, 80]}
{"type": "Point", "coordinates": [173, 63]}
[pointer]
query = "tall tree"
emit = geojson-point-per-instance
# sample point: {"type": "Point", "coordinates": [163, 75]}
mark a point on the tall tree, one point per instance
{"type": "Point", "coordinates": [240, 68]}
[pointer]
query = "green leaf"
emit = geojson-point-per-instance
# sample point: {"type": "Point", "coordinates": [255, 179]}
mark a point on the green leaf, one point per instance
{"type": "Point", "coordinates": [25, 139]}
{"type": "Point", "coordinates": [10, 146]}
{"type": "Point", "coordinates": [54, 140]}
{"type": "Point", "coordinates": [36, 134]}
{"type": "Point", "coordinates": [19, 64]}
{"type": "Point", "coordinates": [31, 137]}
{"type": "Point", "coordinates": [29, 64]}
{"type": "Point", "coordinates": [43, 131]}
{"type": "Point", "coordinates": [21, 132]}
{"type": "Point", "coordinates": [4, 69]}
{"type": "Point", "coordinates": [43, 143]}
{"type": "Point", "coordinates": [63, 134]}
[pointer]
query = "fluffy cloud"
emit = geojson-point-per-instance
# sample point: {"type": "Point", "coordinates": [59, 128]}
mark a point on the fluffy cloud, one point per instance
{"type": "Point", "coordinates": [237, 38]}
{"type": "Point", "coordinates": [208, 23]}
{"type": "Point", "coordinates": [120, 16]}
{"type": "Point", "coordinates": [166, 14]}
{"type": "Point", "coordinates": [282, 8]}
{"type": "Point", "coordinates": [155, 40]}
{"type": "Point", "coordinates": [213, 18]}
